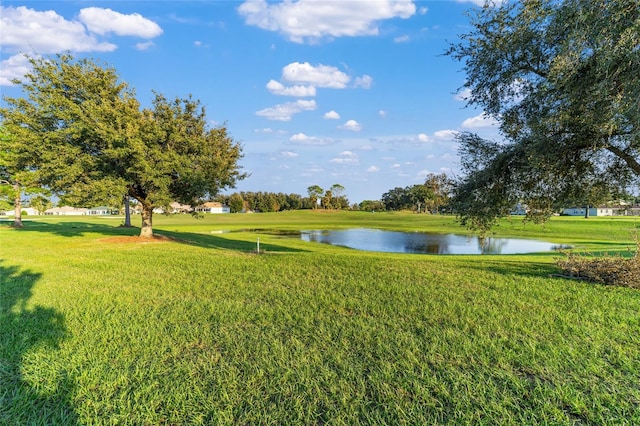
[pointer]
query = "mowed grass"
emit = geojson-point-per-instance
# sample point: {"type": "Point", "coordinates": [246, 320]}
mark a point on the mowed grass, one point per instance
{"type": "Point", "coordinates": [202, 330]}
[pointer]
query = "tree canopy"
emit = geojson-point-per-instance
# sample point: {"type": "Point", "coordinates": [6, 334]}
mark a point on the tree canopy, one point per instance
{"type": "Point", "coordinates": [432, 196]}
{"type": "Point", "coordinates": [314, 192]}
{"type": "Point", "coordinates": [86, 138]}
{"type": "Point", "coordinates": [561, 77]}
{"type": "Point", "coordinates": [16, 177]}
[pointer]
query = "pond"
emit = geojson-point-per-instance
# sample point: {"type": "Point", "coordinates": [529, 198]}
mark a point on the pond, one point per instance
{"type": "Point", "coordinates": [419, 242]}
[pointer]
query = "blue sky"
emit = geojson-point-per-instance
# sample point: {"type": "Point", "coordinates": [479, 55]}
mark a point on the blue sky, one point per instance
{"type": "Point", "coordinates": [351, 92]}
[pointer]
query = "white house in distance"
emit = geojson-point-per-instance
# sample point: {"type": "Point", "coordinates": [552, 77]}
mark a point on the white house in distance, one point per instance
{"type": "Point", "coordinates": [173, 208]}
{"type": "Point", "coordinates": [593, 211]}
{"type": "Point", "coordinates": [27, 211]}
{"type": "Point", "coordinates": [100, 211]}
{"type": "Point", "coordinates": [179, 208]}
{"type": "Point", "coordinates": [212, 207]}
{"type": "Point", "coordinates": [66, 211]}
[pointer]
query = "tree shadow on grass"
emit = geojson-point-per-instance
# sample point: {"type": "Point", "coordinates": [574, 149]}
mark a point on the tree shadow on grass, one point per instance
{"type": "Point", "coordinates": [217, 242]}
{"type": "Point", "coordinates": [76, 228]}
{"type": "Point", "coordinates": [515, 267]}
{"type": "Point", "coordinates": [24, 329]}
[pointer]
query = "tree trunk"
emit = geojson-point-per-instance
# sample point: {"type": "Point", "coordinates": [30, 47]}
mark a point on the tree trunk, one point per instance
{"type": "Point", "coordinates": [586, 212]}
{"type": "Point", "coordinates": [17, 207]}
{"type": "Point", "coordinates": [146, 231]}
{"type": "Point", "coordinates": [127, 213]}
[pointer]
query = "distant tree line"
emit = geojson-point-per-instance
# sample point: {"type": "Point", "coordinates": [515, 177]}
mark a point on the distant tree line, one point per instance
{"type": "Point", "coordinates": [265, 202]}
{"type": "Point", "coordinates": [331, 198]}
{"type": "Point", "coordinates": [433, 196]}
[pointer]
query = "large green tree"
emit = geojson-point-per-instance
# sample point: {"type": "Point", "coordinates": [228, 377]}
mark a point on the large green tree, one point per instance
{"type": "Point", "coordinates": [440, 187]}
{"type": "Point", "coordinates": [396, 199]}
{"type": "Point", "coordinates": [10, 177]}
{"type": "Point", "coordinates": [88, 139]}
{"type": "Point", "coordinates": [16, 176]}
{"type": "Point", "coordinates": [562, 79]}
{"type": "Point", "coordinates": [70, 125]}
{"type": "Point", "coordinates": [314, 192]}
{"type": "Point", "coordinates": [177, 157]}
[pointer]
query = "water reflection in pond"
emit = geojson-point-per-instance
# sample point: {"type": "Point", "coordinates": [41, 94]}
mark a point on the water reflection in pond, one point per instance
{"type": "Point", "coordinates": [418, 242]}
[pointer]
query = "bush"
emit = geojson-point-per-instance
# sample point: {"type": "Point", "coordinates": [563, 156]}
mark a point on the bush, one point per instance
{"type": "Point", "coordinates": [609, 270]}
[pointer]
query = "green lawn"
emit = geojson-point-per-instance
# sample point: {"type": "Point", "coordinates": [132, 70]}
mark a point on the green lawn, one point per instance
{"type": "Point", "coordinates": [201, 330]}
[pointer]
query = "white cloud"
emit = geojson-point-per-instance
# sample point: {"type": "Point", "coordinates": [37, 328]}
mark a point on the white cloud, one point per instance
{"type": "Point", "coordinates": [401, 39]}
{"type": "Point", "coordinates": [299, 137]}
{"type": "Point", "coordinates": [346, 157]}
{"type": "Point", "coordinates": [277, 88]}
{"type": "Point", "coordinates": [302, 139]}
{"type": "Point", "coordinates": [104, 21]}
{"type": "Point", "coordinates": [463, 95]}
{"type": "Point", "coordinates": [45, 32]}
{"type": "Point", "coordinates": [318, 76]}
{"type": "Point", "coordinates": [331, 115]}
{"type": "Point", "coordinates": [373, 169]}
{"type": "Point", "coordinates": [446, 134]}
{"type": "Point", "coordinates": [476, 2]}
{"type": "Point", "coordinates": [422, 137]}
{"type": "Point", "coordinates": [482, 2]}
{"type": "Point", "coordinates": [305, 78]}
{"type": "Point", "coordinates": [144, 46]}
{"type": "Point", "coordinates": [363, 82]}
{"type": "Point", "coordinates": [382, 113]}
{"type": "Point", "coordinates": [313, 169]}
{"type": "Point", "coordinates": [199, 43]}
{"type": "Point", "coordinates": [13, 68]}
{"type": "Point", "coordinates": [284, 112]}
{"type": "Point", "coordinates": [352, 125]}
{"type": "Point", "coordinates": [25, 29]}
{"type": "Point", "coordinates": [288, 154]}
{"type": "Point", "coordinates": [480, 120]}
{"type": "Point", "coordinates": [312, 20]}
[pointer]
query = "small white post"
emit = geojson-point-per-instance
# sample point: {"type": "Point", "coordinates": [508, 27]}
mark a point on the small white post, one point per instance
{"type": "Point", "coordinates": [258, 251]}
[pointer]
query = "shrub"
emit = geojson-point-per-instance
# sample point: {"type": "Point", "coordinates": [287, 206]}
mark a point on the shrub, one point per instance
{"type": "Point", "coordinates": [609, 270]}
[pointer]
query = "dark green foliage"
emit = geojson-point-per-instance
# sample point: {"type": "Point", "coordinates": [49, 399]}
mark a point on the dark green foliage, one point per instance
{"type": "Point", "coordinates": [84, 135]}
{"type": "Point", "coordinates": [562, 79]}
{"type": "Point", "coordinates": [17, 178]}
{"type": "Point", "coordinates": [263, 202]}
{"type": "Point", "coordinates": [371, 206]}
{"type": "Point", "coordinates": [432, 196]}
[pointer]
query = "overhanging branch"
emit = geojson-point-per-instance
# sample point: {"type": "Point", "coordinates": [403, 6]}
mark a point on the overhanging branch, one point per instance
{"type": "Point", "coordinates": [631, 161]}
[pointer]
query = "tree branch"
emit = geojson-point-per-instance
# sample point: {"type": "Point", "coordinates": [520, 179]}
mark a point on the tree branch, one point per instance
{"type": "Point", "coordinates": [631, 161]}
